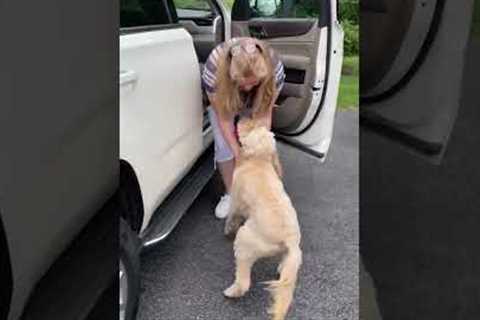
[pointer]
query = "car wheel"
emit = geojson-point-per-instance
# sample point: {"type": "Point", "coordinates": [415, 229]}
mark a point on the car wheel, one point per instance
{"type": "Point", "coordinates": [129, 272]}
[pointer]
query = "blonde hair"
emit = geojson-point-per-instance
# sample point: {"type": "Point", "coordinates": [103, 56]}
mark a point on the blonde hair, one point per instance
{"type": "Point", "coordinates": [231, 69]}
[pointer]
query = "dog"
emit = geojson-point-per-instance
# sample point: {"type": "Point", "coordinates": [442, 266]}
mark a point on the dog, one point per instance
{"type": "Point", "coordinates": [263, 218]}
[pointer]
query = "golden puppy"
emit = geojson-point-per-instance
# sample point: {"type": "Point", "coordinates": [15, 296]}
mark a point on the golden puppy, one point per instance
{"type": "Point", "coordinates": [245, 127]}
{"type": "Point", "coordinates": [270, 222]}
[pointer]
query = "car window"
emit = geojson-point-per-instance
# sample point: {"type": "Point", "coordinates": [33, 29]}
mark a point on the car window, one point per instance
{"type": "Point", "coordinates": [141, 13]}
{"type": "Point", "coordinates": [192, 8]}
{"type": "Point", "coordinates": [285, 8]}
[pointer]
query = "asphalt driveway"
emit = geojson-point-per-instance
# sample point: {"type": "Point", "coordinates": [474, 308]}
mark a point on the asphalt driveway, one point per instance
{"type": "Point", "coordinates": [183, 277]}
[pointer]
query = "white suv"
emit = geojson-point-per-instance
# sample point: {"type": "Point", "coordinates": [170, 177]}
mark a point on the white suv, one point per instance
{"type": "Point", "coordinates": [165, 136]}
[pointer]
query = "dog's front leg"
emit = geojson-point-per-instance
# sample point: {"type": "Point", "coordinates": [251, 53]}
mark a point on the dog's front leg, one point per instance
{"type": "Point", "coordinates": [234, 217]}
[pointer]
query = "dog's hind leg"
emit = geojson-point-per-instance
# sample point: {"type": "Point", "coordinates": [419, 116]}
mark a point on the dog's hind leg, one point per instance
{"type": "Point", "coordinates": [248, 247]}
{"type": "Point", "coordinates": [245, 257]}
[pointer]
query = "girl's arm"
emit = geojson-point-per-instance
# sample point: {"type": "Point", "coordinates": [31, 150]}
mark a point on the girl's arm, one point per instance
{"type": "Point", "coordinates": [227, 128]}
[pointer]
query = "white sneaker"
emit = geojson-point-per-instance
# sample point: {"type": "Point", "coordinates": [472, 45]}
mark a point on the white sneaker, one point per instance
{"type": "Point", "coordinates": [223, 207]}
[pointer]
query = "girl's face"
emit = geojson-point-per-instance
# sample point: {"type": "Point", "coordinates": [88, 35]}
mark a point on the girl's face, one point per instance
{"type": "Point", "coordinates": [246, 84]}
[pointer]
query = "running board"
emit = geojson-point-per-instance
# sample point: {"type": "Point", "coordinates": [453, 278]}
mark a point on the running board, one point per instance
{"type": "Point", "coordinates": [169, 213]}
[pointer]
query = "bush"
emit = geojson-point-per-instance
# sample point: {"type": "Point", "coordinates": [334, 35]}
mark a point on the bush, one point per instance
{"type": "Point", "coordinates": [476, 18]}
{"type": "Point", "coordinates": [351, 40]}
{"type": "Point", "coordinates": [349, 16]}
{"type": "Point", "coordinates": [349, 11]}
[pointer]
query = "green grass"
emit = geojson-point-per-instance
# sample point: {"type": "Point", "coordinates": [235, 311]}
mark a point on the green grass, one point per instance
{"type": "Point", "coordinates": [228, 3]}
{"type": "Point", "coordinates": [476, 18]}
{"type": "Point", "coordinates": [348, 94]}
{"type": "Point", "coordinates": [192, 4]}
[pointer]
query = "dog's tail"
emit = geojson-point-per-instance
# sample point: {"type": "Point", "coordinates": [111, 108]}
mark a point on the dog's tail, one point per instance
{"type": "Point", "coordinates": [283, 288]}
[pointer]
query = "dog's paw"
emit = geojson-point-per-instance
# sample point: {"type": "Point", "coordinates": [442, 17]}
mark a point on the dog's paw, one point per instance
{"type": "Point", "coordinates": [229, 232]}
{"type": "Point", "coordinates": [234, 291]}
{"type": "Point", "coordinates": [231, 229]}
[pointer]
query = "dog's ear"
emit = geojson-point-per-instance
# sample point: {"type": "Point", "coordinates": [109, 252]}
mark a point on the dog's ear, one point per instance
{"type": "Point", "coordinates": [271, 138]}
{"type": "Point", "coordinates": [244, 126]}
{"type": "Point", "coordinates": [277, 165]}
{"type": "Point", "coordinates": [267, 139]}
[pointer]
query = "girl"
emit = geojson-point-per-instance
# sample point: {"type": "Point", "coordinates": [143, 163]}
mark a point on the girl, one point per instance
{"type": "Point", "coordinates": [242, 78]}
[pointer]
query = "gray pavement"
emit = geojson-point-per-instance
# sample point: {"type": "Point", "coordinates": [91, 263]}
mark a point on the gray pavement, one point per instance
{"type": "Point", "coordinates": [183, 277]}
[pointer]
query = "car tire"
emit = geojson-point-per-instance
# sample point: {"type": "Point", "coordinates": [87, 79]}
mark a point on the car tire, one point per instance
{"type": "Point", "coordinates": [129, 197]}
{"type": "Point", "coordinates": [129, 272]}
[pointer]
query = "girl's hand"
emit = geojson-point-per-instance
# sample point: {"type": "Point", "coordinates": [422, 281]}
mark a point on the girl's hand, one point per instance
{"type": "Point", "coordinates": [236, 152]}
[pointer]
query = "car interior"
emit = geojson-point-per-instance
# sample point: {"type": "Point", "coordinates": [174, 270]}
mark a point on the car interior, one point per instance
{"type": "Point", "coordinates": [205, 24]}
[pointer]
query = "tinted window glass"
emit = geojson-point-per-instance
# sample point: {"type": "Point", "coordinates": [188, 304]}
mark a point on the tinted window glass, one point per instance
{"type": "Point", "coordinates": [285, 8]}
{"type": "Point", "coordinates": [137, 13]}
{"type": "Point", "coordinates": [192, 9]}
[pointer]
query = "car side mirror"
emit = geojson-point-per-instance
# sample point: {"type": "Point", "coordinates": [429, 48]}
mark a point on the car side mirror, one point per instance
{"type": "Point", "coordinates": [241, 10]}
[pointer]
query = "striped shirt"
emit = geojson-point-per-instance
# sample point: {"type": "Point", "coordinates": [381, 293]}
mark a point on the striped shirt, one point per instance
{"type": "Point", "coordinates": [209, 75]}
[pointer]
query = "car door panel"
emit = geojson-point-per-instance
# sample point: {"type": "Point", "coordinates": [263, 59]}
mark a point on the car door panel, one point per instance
{"type": "Point", "coordinates": [295, 75]}
{"type": "Point", "coordinates": [419, 111]}
{"type": "Point", "coordinates": [392, 40]}
{"type": "Point", "coordinates": [315, 129]}
{"type": "Point", "coordinates": [195, 28]}
{"type": "Point", "coordinates": [270, 28]}
{"type": "Point", "coordinates": [161, 111]}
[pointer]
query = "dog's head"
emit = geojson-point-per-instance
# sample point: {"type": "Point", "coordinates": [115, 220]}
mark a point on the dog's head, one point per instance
{"type": "Point", "coordinates": [255, 138]}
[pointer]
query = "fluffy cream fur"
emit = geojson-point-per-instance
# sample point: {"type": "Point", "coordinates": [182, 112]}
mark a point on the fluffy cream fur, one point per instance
{"type": "Point", "coordinates": [263, 218]}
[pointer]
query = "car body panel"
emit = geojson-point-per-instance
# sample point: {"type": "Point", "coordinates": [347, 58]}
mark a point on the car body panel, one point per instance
{"type": "Point", "coordinates": [161, 110]}
{"type": "Point", "coordinates": [61, 147]}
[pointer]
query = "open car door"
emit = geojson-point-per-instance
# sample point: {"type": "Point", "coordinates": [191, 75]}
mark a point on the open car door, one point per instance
{"type": "Point", "coordinates": [309, 40]}
{"type": "Point", "coordinates": [412, 55]}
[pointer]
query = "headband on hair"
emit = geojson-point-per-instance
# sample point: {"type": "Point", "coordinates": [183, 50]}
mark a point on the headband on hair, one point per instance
{"type": "Point", "coordinates": [249, 48]}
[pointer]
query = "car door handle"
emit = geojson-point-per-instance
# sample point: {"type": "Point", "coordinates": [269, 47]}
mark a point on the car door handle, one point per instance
{"type": "Point", "coordinates": [128, 77]}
